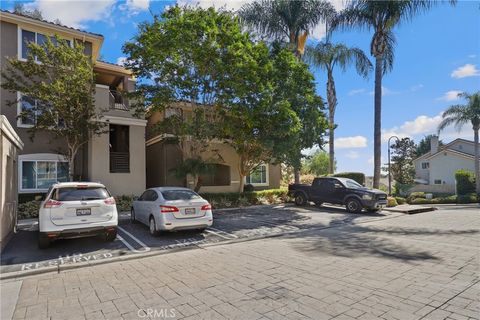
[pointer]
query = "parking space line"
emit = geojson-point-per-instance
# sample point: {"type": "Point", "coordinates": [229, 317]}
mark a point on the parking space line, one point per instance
{"type": "Point", "coordinates": [221, 233]}
{"type": "Point", "coordinates": [279, 225]}
{"type": "Point", "coordinates": [145, 247]}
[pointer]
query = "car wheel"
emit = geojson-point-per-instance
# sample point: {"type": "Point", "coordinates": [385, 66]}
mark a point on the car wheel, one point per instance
{"type": "Point", "coordinates": [152, 227]}
{"type": "Point", "coordinates": [353, 205]}
{"type": "Point", "coordinates": [111, 236]}
{"type": "Point", "coordinates": [132, 216]}
{"type": "Point", "coordinates": [43, 241]}
{"type": "Point", "coordinates": [300, 199]}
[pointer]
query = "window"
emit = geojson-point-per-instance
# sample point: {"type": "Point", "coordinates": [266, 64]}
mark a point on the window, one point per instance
{"type": "Point", "coordinates": [219, 176]}
{"type": "Point", "coordinates": [80, 193]}
{"type": "Point", "coordinates": [38, 175]}
{"type": "Point", "coordinates": [29, 110]}
{"type": "Point", "coordinates": [29, 36]}
{"type": "Point", "coordinates": [258, 176]}
{"type": "Point", "coordinates": [179, 195]}
{"type": "Point", "coordinates": [119, 149]}
{"type": "Point", "coordinates": [169, 112]}
{"type": "Point", "coordinates": [425, 165]}
{"type": "Point", "coordinates": [437, 181]}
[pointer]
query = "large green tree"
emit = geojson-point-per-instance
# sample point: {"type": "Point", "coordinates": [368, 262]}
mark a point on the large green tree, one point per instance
{"type": "Point", "coordinates": [424, 145]}
{"type": "Point", "coordinates": [459, 115]}
{"type": "Point", "coordinates": [402, 168]}
{"type": "Point", "coordinates": [381, 17]}
{"type": "Point", "coordinates": [317, 164]}
{"type": "Point", "coordinates": [327, 56]}
{"type": "Point", "coordinates": [60, 78]}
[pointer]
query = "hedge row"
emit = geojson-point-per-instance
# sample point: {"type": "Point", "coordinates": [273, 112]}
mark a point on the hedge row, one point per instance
{"type": "Point", "coordinates": [465, 182]}
{"type": "Point", "coordinates": [235, 199]}
{"type": "Point", "coordinates": [419, 198]}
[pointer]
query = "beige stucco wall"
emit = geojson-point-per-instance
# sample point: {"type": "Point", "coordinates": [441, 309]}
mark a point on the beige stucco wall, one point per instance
{"type": "Point", "coordinates": [419, 172]}
{"type": "Point", "coordinates": [99, 163]}
{"type": "Point", "coordinates": [10, 144]}
{"type": "Point", "coordinates": [444, 166]}
{"type": "Point", "coordinates": [463, 146]}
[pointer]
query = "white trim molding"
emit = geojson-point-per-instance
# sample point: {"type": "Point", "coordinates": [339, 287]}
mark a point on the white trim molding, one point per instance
{"type": "Point", "coordinates": [7, 128]}
{"type": "Point", "coordinates": [267, 178]}
{"type": "Point", "coordinates": [43, 157]}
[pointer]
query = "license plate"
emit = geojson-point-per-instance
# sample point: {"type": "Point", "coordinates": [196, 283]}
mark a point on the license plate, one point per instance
{"type": "Point", "coordinates": [190, 211]}
{"type": "Point", "coordinates": [84, 212]}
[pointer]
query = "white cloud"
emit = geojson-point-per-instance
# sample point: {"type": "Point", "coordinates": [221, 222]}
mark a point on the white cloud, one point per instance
{"type": "Point", "coordinates": [472, 56]}
{"type": "Point", "coordinates": [73, 13]}
{"type": "Point", "coordinates": [424, 125]}
{"type": "Point", "coordinates": [468, 70]}
{"type": "Point", "coordinates": [450, 95]}
{"type": "Point", "coordinates": [416, 87]}
{"type": "Point", "coordinates": [355, 91]}
{"type": "Point", "coordinates": [351, 142]}
{"type": "Point", "coordinates": [121, 60]}
{"type": "Point", "coordinates": [138, 4]}
{"type": "Point", "coordinates": [352, 155]}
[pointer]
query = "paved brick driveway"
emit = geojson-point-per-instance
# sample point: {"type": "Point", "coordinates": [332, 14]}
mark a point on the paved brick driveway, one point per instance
{"type": "Point", "coordinates": [424, 266]}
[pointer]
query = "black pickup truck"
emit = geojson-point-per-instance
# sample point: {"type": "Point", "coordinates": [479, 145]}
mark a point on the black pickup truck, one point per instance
{"type": "Point", "coordinates": [341, 191]}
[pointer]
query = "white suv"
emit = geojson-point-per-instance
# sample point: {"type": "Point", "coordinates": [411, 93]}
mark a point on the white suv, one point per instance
{"type": "Point", "coordinates": [77, 209]}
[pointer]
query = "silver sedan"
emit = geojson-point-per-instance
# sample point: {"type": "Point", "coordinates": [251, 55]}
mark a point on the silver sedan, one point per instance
{"type": "Point", "coordinates": [171, 209]}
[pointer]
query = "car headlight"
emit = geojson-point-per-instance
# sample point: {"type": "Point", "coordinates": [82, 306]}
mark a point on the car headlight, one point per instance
{"type": "Point", "coordinates": [367, 197]}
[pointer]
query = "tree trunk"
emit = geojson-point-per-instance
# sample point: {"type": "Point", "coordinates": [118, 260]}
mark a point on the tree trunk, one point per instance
{"type": "Point", "coordinates": [332, 103]}
{"type": "Point", "coordinates": [71, 162]}
{"type": "Point", "coordinates": [198, 185]}
{"type": "Point", "coordinates": [296, 175]}
{"type": "Point", "coordinates": [377, 134]}
{"type": "Point", "coordinates": [477, 159]}
{"type": "Point", "coordinates": [242, 182]}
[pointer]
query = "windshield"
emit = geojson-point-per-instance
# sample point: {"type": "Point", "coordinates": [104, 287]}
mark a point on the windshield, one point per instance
{"type": "Point", "coordinates": [353, 184]}
{"type": "Point", "coordinates": [180, 195]}
{"type": "Point", "coordinates": [78, 194]}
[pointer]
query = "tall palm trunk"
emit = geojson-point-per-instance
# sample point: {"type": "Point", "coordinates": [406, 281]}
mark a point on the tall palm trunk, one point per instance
{"type": "Point", "coordinates": [332, 103]}
{"type": "Point", "coordinates": [477, 159]}
{"type": "Point", "coordinates": [377, 134]}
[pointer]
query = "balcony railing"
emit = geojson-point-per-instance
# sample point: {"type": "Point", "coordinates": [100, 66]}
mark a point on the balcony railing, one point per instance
{"type": "Point", "coordinates": [117, 101]}
{"type": "Point", "coordinates": [119, 162]}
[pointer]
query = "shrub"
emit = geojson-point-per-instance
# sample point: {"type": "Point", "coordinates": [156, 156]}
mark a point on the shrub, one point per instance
{"type": "Point", "coordinates": [233, 199]}
{"type": "Point", "coordinates": [465, 182]}
{"type": "Point", "coordinates": [391, 202]}
{"type": "Point", "coordinates": [401, 200]}
{"type": "Point", "coordinates": [415, 195]}
{"type": "Point", "coordinates": [28, 210]}
{"type": "Point", "coordinates": [468, 198]}
{"type": "Point", "coordinates": [420, 201]}
{"type": "Point", "coordinates": [124, 203]}
{"type": "Point", "coordinates": [248, 188]}
{"type": "Point", "coordinates": [357, 176]}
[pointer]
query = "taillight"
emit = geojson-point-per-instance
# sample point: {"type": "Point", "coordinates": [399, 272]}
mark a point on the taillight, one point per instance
{"type": "Point", "coordinates": [52, 204]}
{"type": "Point", "coordinates": [166, 209]}
{"type": "Point", "coordinates": [110, 201]}
{"type": "Point", "coordinates": [207, 207]}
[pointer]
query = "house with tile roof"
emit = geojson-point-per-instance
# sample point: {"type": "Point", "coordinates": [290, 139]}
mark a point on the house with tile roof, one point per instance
{"type": "Point", "coordinates": [435, 170]}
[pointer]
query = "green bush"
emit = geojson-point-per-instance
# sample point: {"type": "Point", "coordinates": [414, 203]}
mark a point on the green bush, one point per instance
{"type": "Point", "coordinates": [401, 200]}
{"type": "Point", "coordinates": [468, 198]}
{"type": "Point", "coordinates": [235, 199]}
{"type": "Point", "coordinates": [357, 176]}
{"type": "Point", "coordinates": [124, 203]}
{"type": "Point", "coordinates": [391, 202]}
{"type": "Point", "coordinates": [28, 210]}
{"type": "Point", "coordinates": [465, 182]}
{"type": "Point", "coordinates": [471, 198]}
{"type": "Point", "coordinates": [415, 195]}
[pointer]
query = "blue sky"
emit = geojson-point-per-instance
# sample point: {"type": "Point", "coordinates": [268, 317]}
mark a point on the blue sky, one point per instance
{"type": "Point", "coordinates": [437, 55]}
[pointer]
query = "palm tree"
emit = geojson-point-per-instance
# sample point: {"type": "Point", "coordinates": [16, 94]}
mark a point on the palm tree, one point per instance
{"type": "Point", "coordinates": [381, 17]}
{"type": "Point", "coordinates": [459, 115]}
{"type": "Point", "coordinates": [289, 20]}
{"type": "Point", "coordinates": [326, 56]}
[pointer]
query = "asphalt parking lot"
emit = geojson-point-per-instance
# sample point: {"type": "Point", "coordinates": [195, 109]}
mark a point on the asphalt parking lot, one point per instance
{"type": "Point", "coordinates": [22, 253]}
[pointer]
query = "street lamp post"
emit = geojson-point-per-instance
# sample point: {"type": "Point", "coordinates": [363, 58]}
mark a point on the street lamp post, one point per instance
{"type": "Point", "coordinates": [389, 173]}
